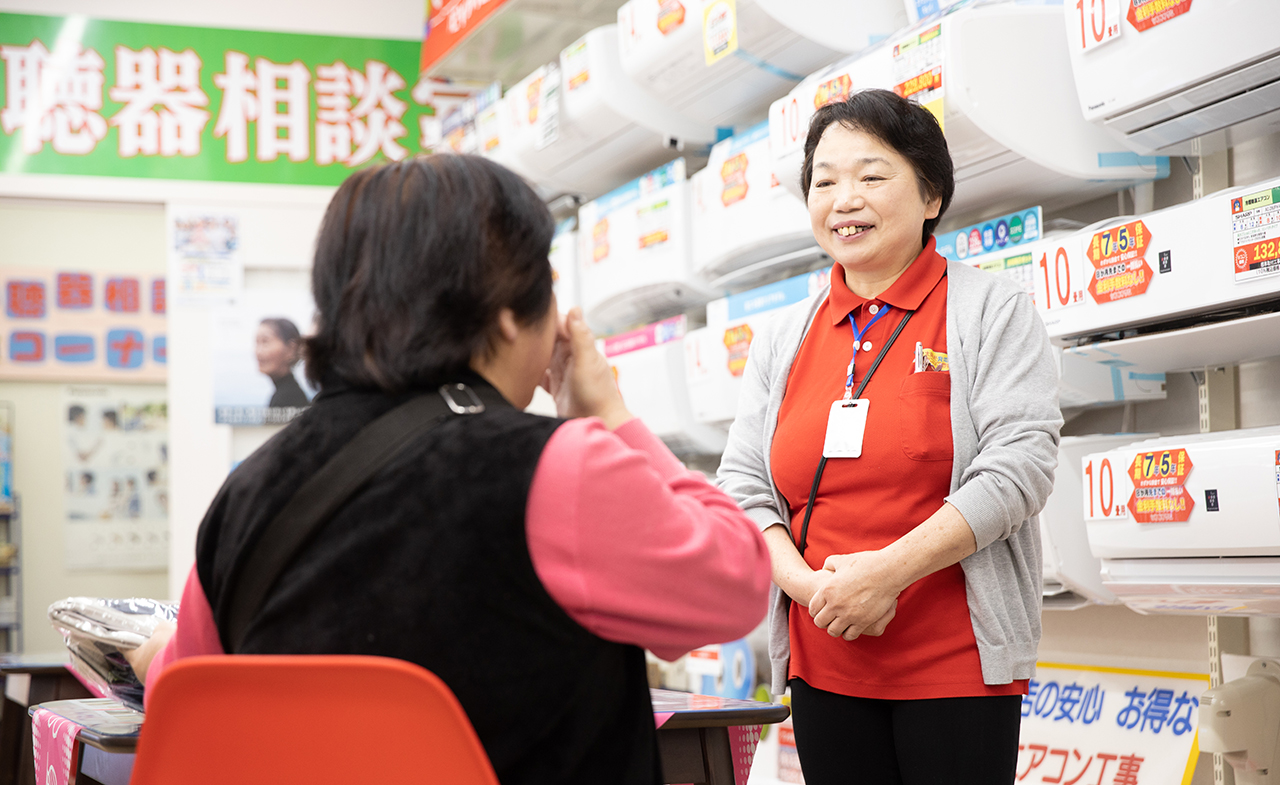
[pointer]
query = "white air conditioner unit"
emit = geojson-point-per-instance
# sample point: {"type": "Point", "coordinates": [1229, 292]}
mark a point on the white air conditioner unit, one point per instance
{"type": "Point", "coordinates": [581, 125]}
{"type": "Point", "coordinates": [838, 25]}
{"type": "Point", "coordinates": [564, 265]}
{"type": "Point", "coordinates": [649, 366]}
{"type": "Point", "coordinates": [1072, 574]}
{"type": "Point", "coordinates": [1201, 261]}
{"type": "Point", "coordinates": [1015, 135]}
{"type": "Point", "coordinates": [715, 355]}
{"type": "Point", "coordinates": [634, 261]}
{"type": "Point", "coordinates": [744, 223]}
{"type": "Point", "coordinates": [1164, 74]}
{"type": "Point", "coordinates": [1084, 378]}
{"type": "Point", "coordinates": [1188, 524]}
{"type": "Point", "coordinates": [666, 46]}
{"type": "Point", "coordinates": [922, 9]}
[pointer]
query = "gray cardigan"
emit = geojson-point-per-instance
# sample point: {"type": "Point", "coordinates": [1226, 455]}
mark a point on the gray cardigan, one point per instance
{"type": "Point", "coordinates": [1004, 421]}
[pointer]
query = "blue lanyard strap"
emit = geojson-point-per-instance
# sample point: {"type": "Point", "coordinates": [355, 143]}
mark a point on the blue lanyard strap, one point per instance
{"type": "Point", "coordinates": [857, 342]}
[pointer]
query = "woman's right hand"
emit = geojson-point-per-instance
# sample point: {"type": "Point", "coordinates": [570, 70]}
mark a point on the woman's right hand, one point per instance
{"type": "Point", "coordinates": [580, 378]}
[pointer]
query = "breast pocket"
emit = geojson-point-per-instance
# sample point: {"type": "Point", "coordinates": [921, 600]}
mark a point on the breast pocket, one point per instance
{"type": "Point", "coordinates": [924, 413]}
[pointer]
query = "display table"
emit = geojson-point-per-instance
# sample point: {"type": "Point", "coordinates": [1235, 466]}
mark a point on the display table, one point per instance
{"type": "Point", "coordinates": [29, 679]}
{"type": "Point", "coordinates": [700, 738]}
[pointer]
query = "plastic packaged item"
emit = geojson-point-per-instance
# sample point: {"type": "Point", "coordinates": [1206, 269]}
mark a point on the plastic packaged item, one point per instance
{"type": "Point", "coordinates": [98, 631]}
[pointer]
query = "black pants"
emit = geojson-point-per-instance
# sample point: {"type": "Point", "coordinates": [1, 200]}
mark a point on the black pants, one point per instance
{"type": "Point", "coordinates": [945, 741]}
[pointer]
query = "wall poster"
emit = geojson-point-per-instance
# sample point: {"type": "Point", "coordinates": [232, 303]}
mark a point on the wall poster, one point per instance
{"type": "Point", "coordinates": [116, 459]}
{"type": "Point", "coordinates": [257, 357]}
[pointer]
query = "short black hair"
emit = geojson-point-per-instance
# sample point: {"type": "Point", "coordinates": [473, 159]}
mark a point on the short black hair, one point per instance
{"type": "Point", "coordinates": [910, 129]}
{"type": "Point", "coordinates": [413, 264]}
{"type": "Point", "coordinates": [75, 412]}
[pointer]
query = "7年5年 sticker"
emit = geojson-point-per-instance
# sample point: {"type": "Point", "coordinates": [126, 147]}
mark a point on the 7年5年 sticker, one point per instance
{"type": "Point", "coordinates": [1255, 235]}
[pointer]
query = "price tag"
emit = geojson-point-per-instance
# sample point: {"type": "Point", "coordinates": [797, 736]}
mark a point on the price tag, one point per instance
{"type": "Point", "coordinates": [1096, 21]}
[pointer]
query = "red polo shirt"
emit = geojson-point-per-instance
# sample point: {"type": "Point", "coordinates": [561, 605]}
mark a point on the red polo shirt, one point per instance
{"type": "Point", "coordinates": [866, 503]}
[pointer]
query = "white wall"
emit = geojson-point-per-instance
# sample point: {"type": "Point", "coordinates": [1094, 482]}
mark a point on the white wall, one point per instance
{"type": "Point", "coordinates": [84, 235]}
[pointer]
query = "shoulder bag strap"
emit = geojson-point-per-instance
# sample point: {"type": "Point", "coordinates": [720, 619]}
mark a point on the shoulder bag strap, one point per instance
{"type": "Point", "coordinates": [328, 489]}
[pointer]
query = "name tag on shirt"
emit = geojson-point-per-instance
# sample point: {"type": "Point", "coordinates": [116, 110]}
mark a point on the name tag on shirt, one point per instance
{"type": "Point", "coordinates": [845, 427]}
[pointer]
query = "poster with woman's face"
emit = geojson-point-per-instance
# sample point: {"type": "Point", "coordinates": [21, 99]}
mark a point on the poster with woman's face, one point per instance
{"type": "Point", "coordinates": [258, 376]}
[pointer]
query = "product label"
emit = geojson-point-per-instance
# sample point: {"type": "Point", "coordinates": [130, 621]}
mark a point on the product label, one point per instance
{"type": "Point", "coordinates": [917, 69]}
{"type": "Point", "coordinates": [734, 174]}
{"type": "Point", "coordinates": [670, 16]}
{"type": "Point", "coordinates": [577, 65]}
{"type": "Point", "coordinates": [719, 30]}
{"type": "Point", "coordinates": [1099, 21]}
{"type": "Point", "coordinates": [1159, 491]}
{"type": "Point", "coordinates": [655, 223]}
{"type": "Point", "coordinates": [1120, 267]}
{"type": "Point", "coordinates": [833, 91]}
{"type": "Point", "coordinates": [1255, 235]}
{"type": "Point", "coordinates": [738, 341]}
{"type": "Point", "coordinates": [600, 240]}
{"type": "Point", "coordinates": [1018, 268]}
{"type": "Point", "coordinates": [653, 335]}
{"type": "Point", "coordinates": [1146, 14]}
{"type": "Point", "coordinates": [994, 235]}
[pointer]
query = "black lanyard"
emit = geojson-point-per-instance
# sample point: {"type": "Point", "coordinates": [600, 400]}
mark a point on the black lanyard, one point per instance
{"type": "Point", "coordinates": [822, 464]}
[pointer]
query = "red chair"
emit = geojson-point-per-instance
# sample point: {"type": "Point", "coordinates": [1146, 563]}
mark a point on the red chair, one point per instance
{"type": "Point", "coordinates": [250, 719]}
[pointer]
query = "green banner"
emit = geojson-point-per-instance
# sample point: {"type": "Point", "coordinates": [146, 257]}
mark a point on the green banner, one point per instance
{"type": "Point", "coordinates": [122, 99]}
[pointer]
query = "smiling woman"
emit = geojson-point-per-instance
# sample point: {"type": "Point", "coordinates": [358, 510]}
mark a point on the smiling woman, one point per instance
{"type": "Point", "coordinates": [907, 610]}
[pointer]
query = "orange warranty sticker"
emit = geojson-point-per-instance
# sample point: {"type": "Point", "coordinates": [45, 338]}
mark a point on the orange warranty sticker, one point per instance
{"type": "Point", "coordinates": [600, 240]}
{"type": "Point", "coordinates": [670, 16]}
{"type": "Point", "coordinates": [738, 341]}
{"type": "Point", "coordinates": [1120, 267]}
{"type": "Point", "coordinates": [1159, 487]}
{"type": "Point", "coordinates": [831, 91]}
{"type": "Point", "coordinates": [734, 174]}
{"type": "Point", "coordinates": [1146, 14]}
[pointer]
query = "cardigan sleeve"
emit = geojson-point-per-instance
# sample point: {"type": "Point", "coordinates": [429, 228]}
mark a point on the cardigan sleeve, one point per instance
{"type": "Point", "coordinates": [744, 468]}
{"type": "Point", "coordinates": [636, 548]}
{"type": "Point", "coordinates": [1013, 402]}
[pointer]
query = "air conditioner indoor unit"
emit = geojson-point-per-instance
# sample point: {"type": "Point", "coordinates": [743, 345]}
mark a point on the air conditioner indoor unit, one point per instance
{"type": "Point", "coordinates": [1161, 74]}
{"type": "Point", "coordinates": [1213, 262]}
{"type": "Point", "coordinates": [1188, 524]}
{"type": "Point", "coordinates": [564, 264]}
{"type": "Point", "coordinates": [669, 49]}
{"type": "Point", "coordinates": [837, 25]}
{"type": "Point", "coordinates": [582, 126]}
{"type": "Point", "coordinates": [1023, 255]}
{"type": "Point", "coordinates": [745, 225]}
{"type": "Point", "coordinates": [648, 364]}
{"type": "Point", "coordinates": [634, 262]}
{"type": "Point", "coordinates": [716, 355]}
{"type": "Point", "coordinates": [1016, 136]}
{"type": "Point", "coordinates": [1072, 574]}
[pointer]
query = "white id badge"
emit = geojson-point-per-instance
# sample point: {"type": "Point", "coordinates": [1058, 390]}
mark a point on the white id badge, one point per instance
{"type": "Point", "coordinates": [845, 426]}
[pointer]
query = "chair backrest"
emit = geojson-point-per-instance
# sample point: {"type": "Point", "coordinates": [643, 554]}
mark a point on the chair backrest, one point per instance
{"type": "Point", "coordinates": [315, 719]}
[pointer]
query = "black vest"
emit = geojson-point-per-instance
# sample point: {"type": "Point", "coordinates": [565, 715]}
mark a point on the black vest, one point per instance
{"type": "Point", "coordinates": [429, 563]}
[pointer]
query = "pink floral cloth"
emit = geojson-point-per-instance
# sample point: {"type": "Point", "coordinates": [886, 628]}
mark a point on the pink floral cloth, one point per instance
{"type": "Point", "coordinates": [743, 740]}
{"type": "Point", "coordinates": [54, 739]}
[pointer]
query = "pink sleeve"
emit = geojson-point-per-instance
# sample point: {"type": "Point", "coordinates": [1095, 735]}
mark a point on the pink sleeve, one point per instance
{"type": "Point", "coordinates": [636, 548]}
{"type": "Point", "coordinates": [197, 633]}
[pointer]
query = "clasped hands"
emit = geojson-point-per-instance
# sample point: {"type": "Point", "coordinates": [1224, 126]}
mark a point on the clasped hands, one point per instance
{"type": "Point", "coordinates": [853, 596]}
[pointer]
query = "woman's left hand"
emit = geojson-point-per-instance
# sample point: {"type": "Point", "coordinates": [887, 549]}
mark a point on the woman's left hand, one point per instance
{"type": "Point", "coordinates": [858, 600]}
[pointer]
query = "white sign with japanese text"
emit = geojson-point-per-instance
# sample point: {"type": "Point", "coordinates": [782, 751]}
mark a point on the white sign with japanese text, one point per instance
{"type": "Point", "coordinates": [1090, 725]}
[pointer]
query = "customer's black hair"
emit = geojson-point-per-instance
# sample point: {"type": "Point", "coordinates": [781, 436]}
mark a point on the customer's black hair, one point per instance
{"type": "Point", "coordinates": [413, 264]}
{"type": "Point", "coordinates": [907, 127]}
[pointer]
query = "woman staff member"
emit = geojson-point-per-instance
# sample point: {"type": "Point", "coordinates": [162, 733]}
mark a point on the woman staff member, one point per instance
{"type": "Point", "coordinates": [525, 560]}
{"type": "Point", "coordinates": [896, 435]}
